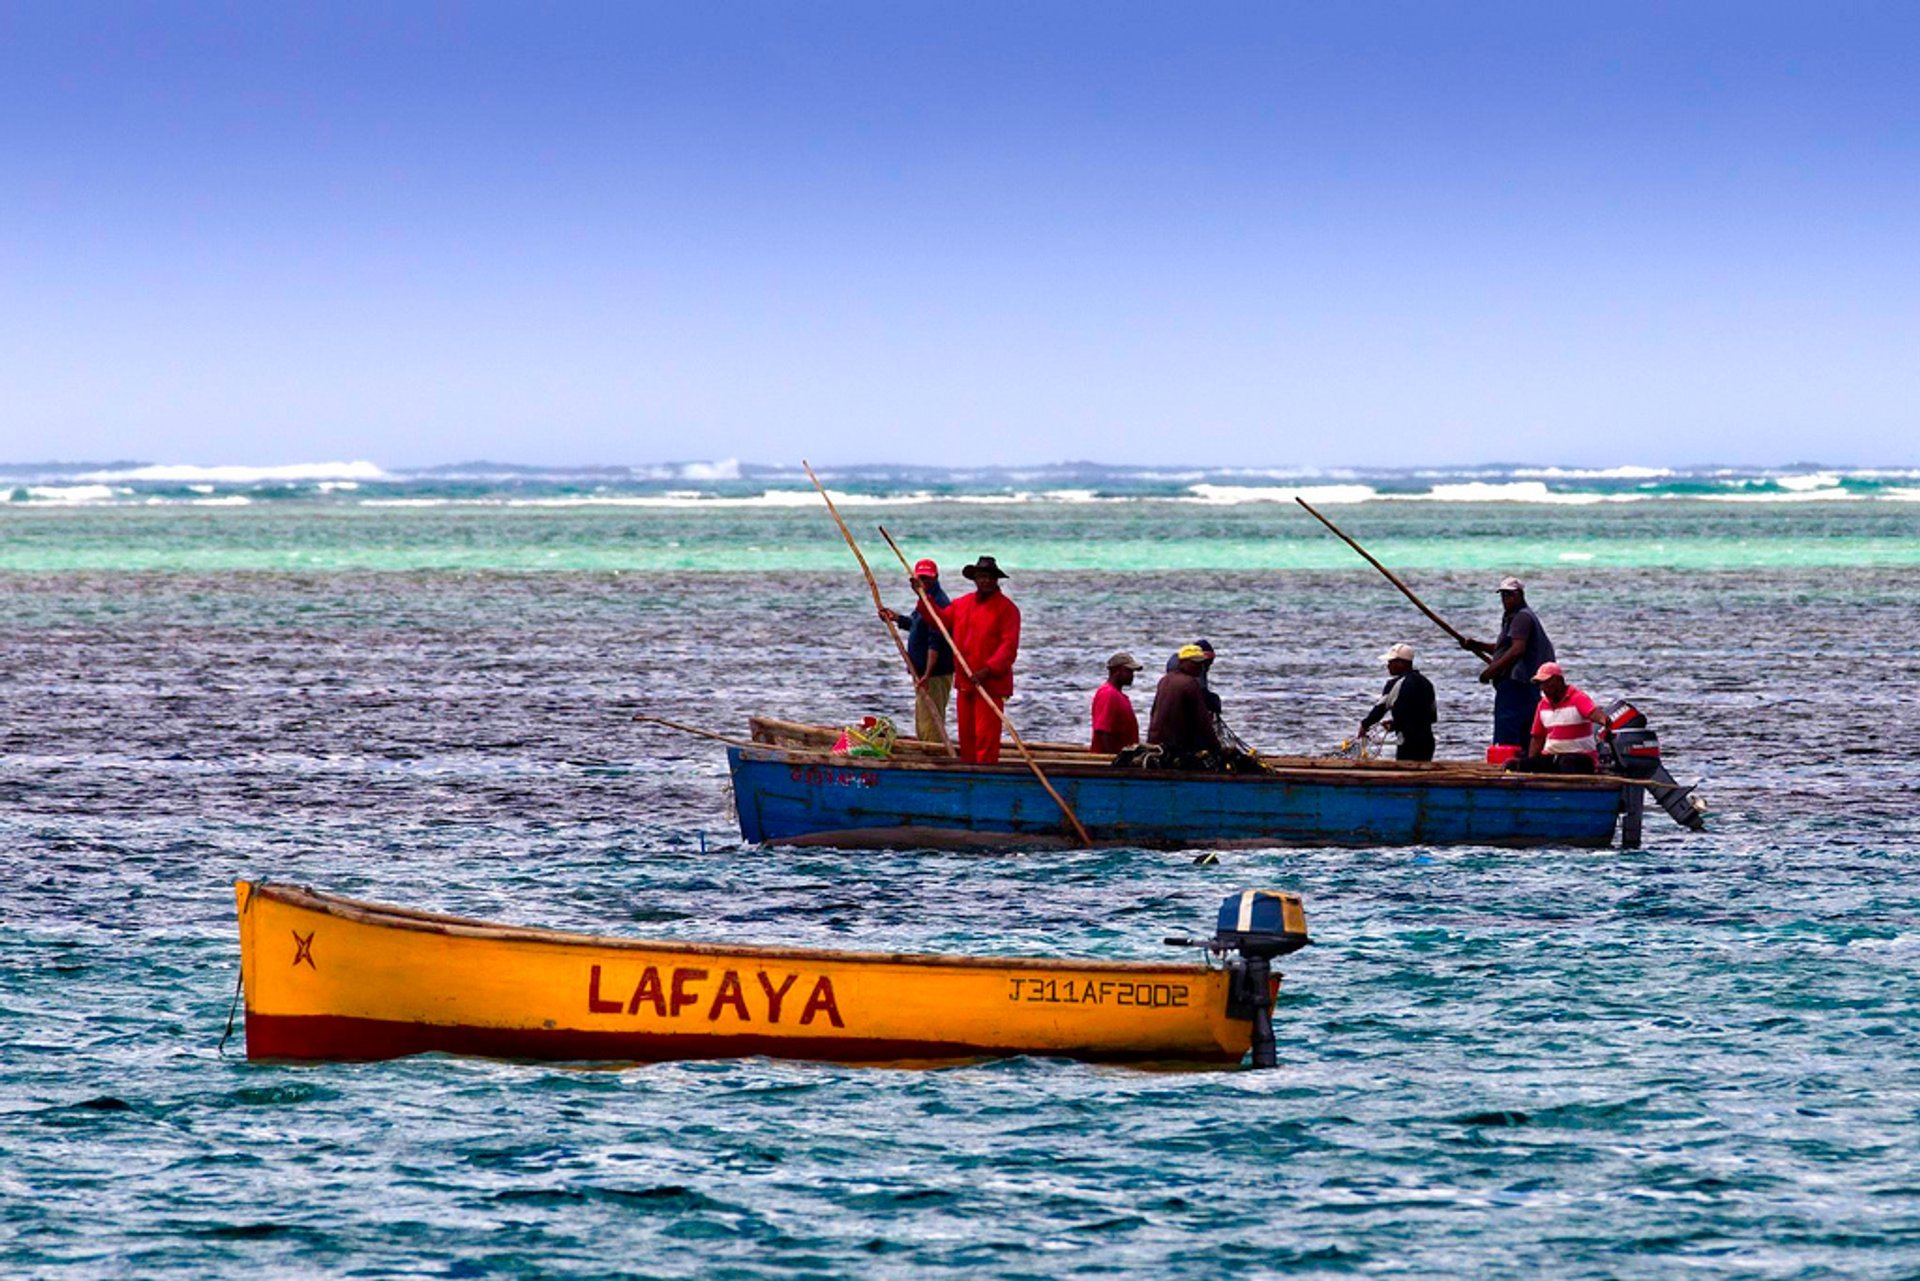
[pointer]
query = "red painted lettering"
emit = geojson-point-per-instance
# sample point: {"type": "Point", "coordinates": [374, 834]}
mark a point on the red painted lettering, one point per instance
{"type": "Point", "coordinates": [822, 999]}
{"type": "Point", "coordinates": [729, 994]}
{"type": "Point", "coordinates": [681, 997]}
{"type": "Point", "coordinates": [594, 1004]}
{"type": "Point", "coordinates": [649, 990]}
{"type": "Point", "coordinates": [776, 996]}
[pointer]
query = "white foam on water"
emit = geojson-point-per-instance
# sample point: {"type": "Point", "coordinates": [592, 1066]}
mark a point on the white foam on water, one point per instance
{"type": "Point", "coordinates": [72, 495]}
{"type": "Point", "coordinates": [1517, 491]}
{"type": "Point", "coordinates": [1576, 556]}
{"type": "Point", "coordinates": [1628, 472]}
{"type": "Point", "coordinates": [1815, 480]}
{"type": "Point", "coordinates": [1834, 495]}
{"type": "Point", "coordinates": [189, 473]}
{"type": "Point", "coordinates": [728, 469]}
{"type": "Point", "coordinates": [1236, 495]}
{"type": "Point", "coordinates": [225, 500]}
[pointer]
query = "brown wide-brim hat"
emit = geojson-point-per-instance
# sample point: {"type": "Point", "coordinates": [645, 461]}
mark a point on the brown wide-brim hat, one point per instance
{"type": "Point", "coordinates": [985, 567]}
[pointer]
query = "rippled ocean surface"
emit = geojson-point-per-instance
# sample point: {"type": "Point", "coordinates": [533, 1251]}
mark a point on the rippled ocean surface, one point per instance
{"type": "Point", "coordinates": [1700, 1058]}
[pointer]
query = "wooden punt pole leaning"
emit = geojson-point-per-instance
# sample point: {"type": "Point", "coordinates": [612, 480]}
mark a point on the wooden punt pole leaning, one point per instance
{"type": "Point", "coordinates": [933, 615]}
{"type": "Point", "coordinates": [874, 587]}
{"type": "Point", "coordinates": [1406, 591]}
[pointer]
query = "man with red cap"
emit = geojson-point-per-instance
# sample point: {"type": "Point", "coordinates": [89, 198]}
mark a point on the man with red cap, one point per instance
{"type": "Point", "coordinates": [930, 655]}
{"type": "Point", "coordinates": [1563, 741]}
{"type": "Point", "coordinates": [986, 630]}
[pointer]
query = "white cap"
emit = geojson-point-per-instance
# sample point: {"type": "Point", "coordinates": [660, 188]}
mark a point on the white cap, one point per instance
{"type": "Point", "coordinates": [1511, 584]}
{"type": "Point", "coordinates": [1402, 650]}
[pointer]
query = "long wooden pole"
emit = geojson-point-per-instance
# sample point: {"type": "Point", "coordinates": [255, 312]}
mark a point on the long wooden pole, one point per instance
{"type": "Point", "coordinates": [919, 682]}
{"type": "Point", "coordinates": [1445, 626]}
{"type": "Point", "coordinates": [933, 615]}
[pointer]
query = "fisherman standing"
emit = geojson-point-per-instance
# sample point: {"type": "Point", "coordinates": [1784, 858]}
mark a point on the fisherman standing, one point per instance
{"type": "Point", "coordinates": [931, 658]}
{"type": "Point", "coordinates": [1406, 705]}
{"type": "Point", "coordinates": [986, 632]}
{"type": "Point", "coordinates": [1562, 741]}
{"type": "Point", "coordinates": [1512, 659]}
{"type": "Point", "coordinates": [1181, 722]}
{"type": "Point", "coordinates": [1115, 727]}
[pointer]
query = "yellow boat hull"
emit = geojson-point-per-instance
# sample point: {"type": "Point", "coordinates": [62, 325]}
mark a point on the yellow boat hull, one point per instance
{"type": "Point", "coordinates": [334, 979]}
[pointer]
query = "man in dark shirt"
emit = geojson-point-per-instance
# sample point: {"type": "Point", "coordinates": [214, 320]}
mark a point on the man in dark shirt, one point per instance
{"type": "Point", "coordinates": [1206, 680]}
{"type": "Point", "coordinates": [1512, 659]}
{"type": "Point", "coordinates": [932, 659]}
{"type": "Point", "coordinates": [1406, 705]}
{"type": "Point", "coordinates": [1181, 722]}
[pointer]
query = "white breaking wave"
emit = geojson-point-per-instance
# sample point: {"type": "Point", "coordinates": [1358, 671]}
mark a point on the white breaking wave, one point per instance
{"type": "Point", "coordinates": [1517, 491]}
{"type": "Point", "coordinates": [189, 473]}
{"type": "Point", "coordinates": [1818, 480]}
{"type": "Point", "coordinates": [71, 493]}
{"type": "Point", "coordinates": [1833, 495]}
{"type": "Point", "coordinates": [1235, 495]}
{"type": "Point", "coordinates": [1628, 472]}
{"type": "Point", "coordinates": [726, 470]}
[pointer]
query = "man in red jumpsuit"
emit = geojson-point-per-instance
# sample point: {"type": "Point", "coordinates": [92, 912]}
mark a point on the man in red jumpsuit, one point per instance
{"type": "Point", "coordinates": [986, 632]}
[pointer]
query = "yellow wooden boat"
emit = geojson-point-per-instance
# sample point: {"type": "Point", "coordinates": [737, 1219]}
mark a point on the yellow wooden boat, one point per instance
{"type": "Point", "coordinates": [330, 978]}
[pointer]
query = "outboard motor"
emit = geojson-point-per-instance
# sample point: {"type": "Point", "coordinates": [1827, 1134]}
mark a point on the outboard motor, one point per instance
{"type": "Point", "coordinates": [1629, 748]}
{"type": "Point", "coordinates": [1256, 926]}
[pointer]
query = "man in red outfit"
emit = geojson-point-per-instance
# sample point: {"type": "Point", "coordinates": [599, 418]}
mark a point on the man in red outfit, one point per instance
{"type": "Point", "coordinates": [986, 632]}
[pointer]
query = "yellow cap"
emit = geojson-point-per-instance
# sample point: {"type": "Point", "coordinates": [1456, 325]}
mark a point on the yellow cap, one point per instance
{"type": "Point", "coordinates": [1191, 651]}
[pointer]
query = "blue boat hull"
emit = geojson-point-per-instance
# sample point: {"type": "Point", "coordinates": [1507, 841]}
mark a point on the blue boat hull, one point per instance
{"type": "Point", "coordinates": [803, 799]}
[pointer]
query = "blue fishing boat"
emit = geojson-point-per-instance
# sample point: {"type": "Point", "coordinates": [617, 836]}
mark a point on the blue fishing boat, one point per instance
{"type": "Point", "coordinates": [802, 796]}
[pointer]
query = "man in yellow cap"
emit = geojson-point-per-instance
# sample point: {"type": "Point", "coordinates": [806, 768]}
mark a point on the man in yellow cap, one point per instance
{"type": "Point", "coordinates": [1181, 722]}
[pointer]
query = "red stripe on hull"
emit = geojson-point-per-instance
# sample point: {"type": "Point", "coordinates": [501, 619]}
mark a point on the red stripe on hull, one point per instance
{"type": "Point", "coordinates": [338, 1038]}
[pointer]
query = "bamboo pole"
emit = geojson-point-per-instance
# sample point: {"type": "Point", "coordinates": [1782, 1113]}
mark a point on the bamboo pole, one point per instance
{"type": "Point", "coordinates": [1444, 625]}
{"type": "Point", "coordinates": [933, 615]}
{"type": "Point", "coordinates": [919, 682]}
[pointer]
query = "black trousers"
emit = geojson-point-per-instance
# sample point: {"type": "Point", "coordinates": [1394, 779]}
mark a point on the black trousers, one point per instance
{"type": "Point", "coordinates": [1415, 747]}
{"type": "Point", "coordinates": [1565, 763]}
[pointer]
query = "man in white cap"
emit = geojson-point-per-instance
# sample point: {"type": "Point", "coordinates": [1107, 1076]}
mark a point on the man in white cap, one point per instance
{"type": "Point", "coordinates": [1512, 659]}
{"type": "Point", "coordinates": [1115, 726]}
{"type": "Point", "coordinates": [1407, 706]}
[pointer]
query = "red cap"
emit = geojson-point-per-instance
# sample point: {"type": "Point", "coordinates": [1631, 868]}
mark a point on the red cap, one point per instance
{"type": "Point", "coordinates": [926, 569]}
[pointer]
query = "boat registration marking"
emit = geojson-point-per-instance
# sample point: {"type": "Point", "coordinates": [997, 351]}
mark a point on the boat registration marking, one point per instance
{"type": "Point", "coordinates": [1155, 996]}
{"type": "Point", "coordinates": [818, 777]}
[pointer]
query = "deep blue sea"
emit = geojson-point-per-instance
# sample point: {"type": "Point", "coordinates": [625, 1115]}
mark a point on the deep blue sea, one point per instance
{"type": "Point", "coordinates": [1701, 1058]}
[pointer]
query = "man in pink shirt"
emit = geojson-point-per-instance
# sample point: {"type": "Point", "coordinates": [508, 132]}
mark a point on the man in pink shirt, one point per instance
{"type": "Point", "coordinates": [1115, 727]}
{"type": "Point", "coordinates": [1563, 741]}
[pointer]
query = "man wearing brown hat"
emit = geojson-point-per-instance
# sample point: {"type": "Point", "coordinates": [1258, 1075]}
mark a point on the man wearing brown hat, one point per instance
{"type": "Point", "coordinates": [986, 632]}
{"type": "Point", "coordinates": [1115, 727]}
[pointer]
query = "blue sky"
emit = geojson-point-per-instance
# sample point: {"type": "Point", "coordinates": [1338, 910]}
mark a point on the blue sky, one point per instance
{"type": "Point", "coordinates": [1269, 234]}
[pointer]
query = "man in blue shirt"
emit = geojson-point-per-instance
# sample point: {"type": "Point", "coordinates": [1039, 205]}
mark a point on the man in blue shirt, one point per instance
{"type": "Point", "coordinates": [932, 659]}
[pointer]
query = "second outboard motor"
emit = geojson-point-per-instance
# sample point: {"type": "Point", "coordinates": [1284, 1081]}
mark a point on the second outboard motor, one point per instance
{"type": "Point", "coordinates": [1257, 926]}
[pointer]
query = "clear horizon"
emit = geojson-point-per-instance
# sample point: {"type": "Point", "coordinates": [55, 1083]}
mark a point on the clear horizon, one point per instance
{"type": "Point", "coordinates": [1380, 234]}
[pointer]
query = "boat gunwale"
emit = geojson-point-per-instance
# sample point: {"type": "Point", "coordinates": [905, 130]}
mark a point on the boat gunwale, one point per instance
{"type": "Point", "coordinates": [391, 916]}
{"type": "Point", "coordinates": [1332, 776]}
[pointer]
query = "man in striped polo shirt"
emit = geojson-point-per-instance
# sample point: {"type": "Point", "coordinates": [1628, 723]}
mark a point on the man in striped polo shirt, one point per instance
{"type": "Point", "coordinates": [1563, 741]}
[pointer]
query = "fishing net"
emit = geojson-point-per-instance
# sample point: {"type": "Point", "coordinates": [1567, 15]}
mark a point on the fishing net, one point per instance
{"type": "Point", "coordinates": [873, 738]}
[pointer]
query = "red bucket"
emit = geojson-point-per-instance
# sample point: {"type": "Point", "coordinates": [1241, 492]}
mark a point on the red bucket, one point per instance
{"type": "Point", "coordinates": [1501, 753]}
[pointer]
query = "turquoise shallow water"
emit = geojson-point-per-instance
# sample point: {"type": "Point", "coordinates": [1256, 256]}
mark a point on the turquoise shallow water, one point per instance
{"type": "Point", "coordinates": [1130, 536]}
{"type": "Point", "coordinates": [1695, 1058]}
